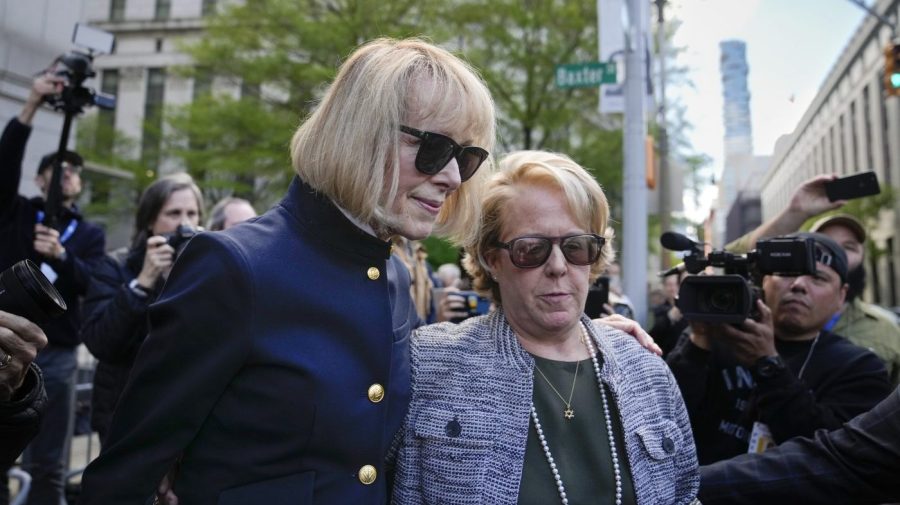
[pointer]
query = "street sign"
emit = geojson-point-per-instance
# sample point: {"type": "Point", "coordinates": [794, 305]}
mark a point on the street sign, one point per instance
{"type": "Point", "coordinates": [585, 75]}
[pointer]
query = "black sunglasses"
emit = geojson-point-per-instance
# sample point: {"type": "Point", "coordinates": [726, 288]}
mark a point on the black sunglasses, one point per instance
{"type": "Point", "coordinates": [532, 252]}
{"type": "Point", "coordinates": [436, 150]}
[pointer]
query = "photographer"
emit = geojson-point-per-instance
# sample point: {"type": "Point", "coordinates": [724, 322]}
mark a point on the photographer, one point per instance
{"type": "Point", "coordinates": [22, 396]}
{"type": "Point", "coordinates": [67, 257]}
{"type": "Point", "coordinates": [125, 284]}
{"type": "Point", "coordinates": [780, 376]}
{"type": "Point", "coordinates": [862, 323]}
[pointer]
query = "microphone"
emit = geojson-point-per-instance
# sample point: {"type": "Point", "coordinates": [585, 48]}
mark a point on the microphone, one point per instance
{"type": "Point", "coordinates": [677, 242]}
{"type": "Point", "coordinates": [677, 269]}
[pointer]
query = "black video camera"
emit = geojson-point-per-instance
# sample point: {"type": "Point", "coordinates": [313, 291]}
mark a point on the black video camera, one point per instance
{"type": "Point", "coordinates": [26, 292]}
{"type": "Point", "coordinates": [731, 298]}
{"type": "Point", "coordinates": [76, 67]}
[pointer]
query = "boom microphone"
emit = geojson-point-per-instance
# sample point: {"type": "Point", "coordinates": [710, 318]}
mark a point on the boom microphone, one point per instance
{"type": "Point", "coordinates": [677, 242]}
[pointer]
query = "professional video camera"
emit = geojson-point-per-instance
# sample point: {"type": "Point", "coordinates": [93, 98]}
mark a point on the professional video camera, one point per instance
{"type": "Point", "coordinates": [24, 291]}
{"type": "Point", "coordinates": [75, 67]}
{"type": "Point", "coordinates": [731, 298]}
{"type": "Point", "coordinates": [179, 238]}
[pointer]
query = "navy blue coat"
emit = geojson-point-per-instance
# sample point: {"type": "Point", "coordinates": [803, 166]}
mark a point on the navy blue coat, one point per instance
{"type": "Point", "coordinates": [262, 349]}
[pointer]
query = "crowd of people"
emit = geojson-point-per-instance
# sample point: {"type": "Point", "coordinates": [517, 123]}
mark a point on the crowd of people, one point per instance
{"type": "Point", "coordinates": [312, 354]}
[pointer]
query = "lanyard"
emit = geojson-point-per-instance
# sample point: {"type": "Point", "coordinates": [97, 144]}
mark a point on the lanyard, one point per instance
{"type": "Point", "coordinates": [67, 233]}
{"type": "Point", "coordinates": [832, 322]}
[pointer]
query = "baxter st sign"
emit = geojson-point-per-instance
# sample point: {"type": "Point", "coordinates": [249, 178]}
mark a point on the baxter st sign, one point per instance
{"type": "Point", "coordinates": [585, 75]}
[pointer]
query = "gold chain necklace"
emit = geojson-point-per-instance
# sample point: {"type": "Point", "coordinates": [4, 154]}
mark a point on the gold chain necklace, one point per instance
{"type": "Point", "coordinates": [569, 412]}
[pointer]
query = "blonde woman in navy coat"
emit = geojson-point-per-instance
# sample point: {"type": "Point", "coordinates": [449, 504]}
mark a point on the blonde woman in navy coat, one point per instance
{"type": "Point", "coordinates": [277, 365]}
{"type": "Point", "coordinates": [534, 403]}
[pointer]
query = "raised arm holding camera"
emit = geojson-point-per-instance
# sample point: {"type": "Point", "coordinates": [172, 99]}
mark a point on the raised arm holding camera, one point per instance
{"type": "Point", "coordinates": [860, 322]}
{"type": "Point", "coordinates": [67, 256]}
{"type": "Point", "coordinates": [128, 280]}
{"type": "Point", "coordinates": [765, 380]}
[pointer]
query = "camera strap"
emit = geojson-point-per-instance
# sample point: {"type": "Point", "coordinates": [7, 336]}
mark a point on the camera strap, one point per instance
{"type": "Point", "coordinates": [67, 233]}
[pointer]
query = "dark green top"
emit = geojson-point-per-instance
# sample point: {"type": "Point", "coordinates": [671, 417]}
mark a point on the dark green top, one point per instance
{"type": "Point", "coordinates": [580, 446]}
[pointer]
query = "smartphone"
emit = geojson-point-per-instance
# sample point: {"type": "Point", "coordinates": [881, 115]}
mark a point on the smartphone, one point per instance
{"type": "Point", "coordinates": [475, 305]}
{"type": "Point", "coordinates": [597, 297]}
{"type": "Point", "coordinates": [852, 186]}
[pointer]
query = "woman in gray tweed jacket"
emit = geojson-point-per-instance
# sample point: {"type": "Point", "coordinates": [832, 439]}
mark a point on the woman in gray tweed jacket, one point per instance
{"type": "Point", "coordinates": [534, 403]}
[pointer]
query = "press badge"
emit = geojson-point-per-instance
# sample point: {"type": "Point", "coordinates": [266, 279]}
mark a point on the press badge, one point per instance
{"type": "Point", "coordinates": [760, 438]}
{"type": "Point", "coordinates": [49, 272]}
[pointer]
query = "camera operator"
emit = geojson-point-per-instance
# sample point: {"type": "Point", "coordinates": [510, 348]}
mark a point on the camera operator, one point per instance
{"type": "Point", "coordinates": [781, 376]}
{"type": "Point", "coordinates": [22, 396]}
{"type": "Point", "coordinates": [67, 257]}
{"type": "Point", "coordinates": [862, 323]}
{"type": "Point", "coordinates": [127, 281]}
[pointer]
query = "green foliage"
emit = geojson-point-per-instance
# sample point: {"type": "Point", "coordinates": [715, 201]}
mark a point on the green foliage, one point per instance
{"type": "Point", "coordinates": [280, 54]}
{"type": "Point", "coordinates": [516, 46]}
{"type": "Point", "coordinates": [868, 211]}
{"type": "Point", "coordinates": [440, 251]}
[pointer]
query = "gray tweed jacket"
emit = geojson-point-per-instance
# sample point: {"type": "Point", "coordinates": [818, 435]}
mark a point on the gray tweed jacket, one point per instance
{"type": "Point", "coordinates": [478, 375]}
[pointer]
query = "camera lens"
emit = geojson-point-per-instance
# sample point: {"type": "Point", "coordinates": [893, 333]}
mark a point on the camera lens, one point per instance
{"type": "Point", "coordinates": [722, 300]}
{"type": "Point", "coordinates": [24, 291]}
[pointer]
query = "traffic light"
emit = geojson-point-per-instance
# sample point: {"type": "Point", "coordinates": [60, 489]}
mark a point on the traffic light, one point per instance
{"type": "Point", "coordinates": [892, 69]}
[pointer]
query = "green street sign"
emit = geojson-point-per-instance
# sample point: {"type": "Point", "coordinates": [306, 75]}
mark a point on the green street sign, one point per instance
{"type": "Point", "coordinates": [585, 75]}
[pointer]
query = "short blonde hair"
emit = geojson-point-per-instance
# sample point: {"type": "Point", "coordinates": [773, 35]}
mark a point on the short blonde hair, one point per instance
{"type": "Point", "coordinates": [521, 169]}
{"type": "Point", "coordinates": [350, 142]}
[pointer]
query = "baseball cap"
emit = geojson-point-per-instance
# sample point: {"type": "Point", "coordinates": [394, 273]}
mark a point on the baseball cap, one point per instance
{"type": "Point", "coordinates": [70, 156]}
{"type": "Point", "coordinates": [845, 220]}
{"type": "Point", "coordinates": [828, 252]}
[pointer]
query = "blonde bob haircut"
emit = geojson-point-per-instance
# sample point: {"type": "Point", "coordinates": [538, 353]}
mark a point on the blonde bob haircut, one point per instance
{"type": "Point", "coordinates": [518, 170]}
{"type": "Point", "coordinates": [348, 147]}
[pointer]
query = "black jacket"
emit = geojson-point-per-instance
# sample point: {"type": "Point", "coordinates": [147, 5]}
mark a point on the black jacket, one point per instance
{"type": "Point", "coordinates": [21, 417]}
{"type": "Point", "coordinates": [115, 326]}
{"type": "Point", "coordinates": [18, 216]}
{"type": "Point", "coordinates": [857, 464]}
{"type": "Point", "coordinates": [839, 382]}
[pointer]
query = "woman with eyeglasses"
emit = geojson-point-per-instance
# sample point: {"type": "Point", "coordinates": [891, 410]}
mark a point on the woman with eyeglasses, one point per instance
{"type": "Point", "coordinates": [277, 362]}
{"type": "Point", "coordinates": [535, 403]}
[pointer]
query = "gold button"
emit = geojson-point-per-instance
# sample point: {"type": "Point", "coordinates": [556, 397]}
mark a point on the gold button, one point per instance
{"type": "Point", "coordinates": [367, 474]}
{"type": "Point", "coordinates": [376, 393]}
{"type": "Point", "coordinates": [373, 273]}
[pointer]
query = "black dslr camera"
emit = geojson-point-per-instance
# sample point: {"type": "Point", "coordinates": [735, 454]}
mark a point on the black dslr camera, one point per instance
{"type": "Point", "coordinates": [76, 67]}
{"type": "Point", "coordinates": [25, 292]}
{"type": "Point", "coordinates": [180, 237]}
{"type": "Point", "coordinates": [731, 298]}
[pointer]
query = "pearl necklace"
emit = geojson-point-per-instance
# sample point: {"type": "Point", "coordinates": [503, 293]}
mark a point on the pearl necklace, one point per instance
{"type": "Point", "coordinates": [609, 430]}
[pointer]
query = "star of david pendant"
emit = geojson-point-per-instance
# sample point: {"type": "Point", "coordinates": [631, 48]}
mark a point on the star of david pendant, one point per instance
{"type": "Point", "coordinates": [569, 413]}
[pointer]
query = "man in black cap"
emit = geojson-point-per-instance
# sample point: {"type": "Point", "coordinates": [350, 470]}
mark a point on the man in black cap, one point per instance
{"type": "Point", "coordinates": [760, 383]}
{"type": "Point", "coordinates": [66, 256]}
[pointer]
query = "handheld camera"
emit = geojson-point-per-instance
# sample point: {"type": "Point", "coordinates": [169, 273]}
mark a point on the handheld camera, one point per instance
{"type": "Point", "coordinates": [731, 298]}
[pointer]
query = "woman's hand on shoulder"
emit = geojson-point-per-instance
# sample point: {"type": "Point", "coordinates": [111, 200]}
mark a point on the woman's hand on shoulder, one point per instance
{"type": "Point", "coordinates": [632, 328]}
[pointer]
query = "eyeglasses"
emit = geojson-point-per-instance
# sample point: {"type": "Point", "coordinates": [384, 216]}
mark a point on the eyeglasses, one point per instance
{"type": "Point", "coordinates": [436, 150]}
{"type": "Point", "coordinates": [532, 252]}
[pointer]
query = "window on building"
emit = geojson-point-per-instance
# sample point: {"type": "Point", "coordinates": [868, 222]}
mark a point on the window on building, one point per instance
{"type": "Point", "coordinates": [153, 107]}
{"type": "Point", "coordinates": [892, 273]}
{"type": "Point", "coordinates": [854, 145]}
{"type": "Point", "coordinates": [117, 10]}
{"type": "Point", "coordinates": [106, 119]}
{"type": "Point", "coordinates": [885, 145]}
{"type": "Point", "coordinates": [162, 9]}
{"type": "Point", "coordinates": [208, 7]}
{"type": "Point", "coordinates": [867, 124]}
{"type": "Point", "coordinates": [202, 83]}
{"type": "Point", "coordinates": [843, 168]}
{"type": "Point", "coordinates": [833, 158]}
